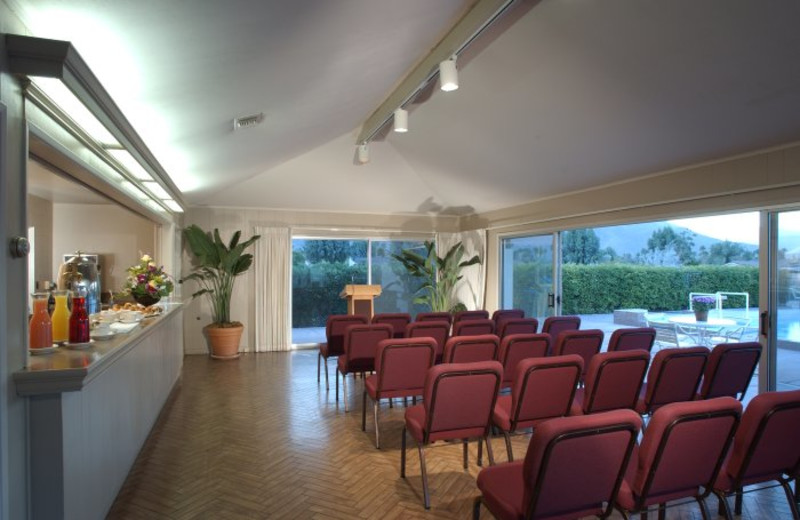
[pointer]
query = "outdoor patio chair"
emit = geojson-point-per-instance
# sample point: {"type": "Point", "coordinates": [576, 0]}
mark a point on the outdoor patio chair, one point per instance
{"type": "Point", "coordinates": [671, 335]}
{"type": "Point", "coordinates": [334, 345]}
{"type": "Point", "coordinates": [638, 338]}
{"type": "Point", "coordinates": [516, 347]}
{"type": "Point", "coordinates": [436, 329]}
{"type": "Point", "coordinates": [555, 325]}
{"type": "Point", "coordinates": [680, 455]}
{"type": "Point", "coordinates": [469, 349]}
{"type": "Point", "coordinates": [674, 376]}
{"type": "Point", "coordinates": [613, 382]}
{"type": "Point", "coordinates": [398, 321]}
{"type": "Point", "coordinates": [543, 388]}
{"type": "Point", "coordinates": [511, 326]}
{"type": "Point", "coordinates": [457, 405]}
{"type": "Point", "coordinates": [765, 448]}
{"type": "Point", "coordinates": [401, 365]}
{"type": "Point", "coordinates": [573, 468]}
{"type": "Point", "coordinates": [729, 370]}
{"type": "Point", "coordinates": [473, 327]}
{"type": "Point", "coordinates": [360, 344]}
{"type": "Point", "coordinates": [435, 316]}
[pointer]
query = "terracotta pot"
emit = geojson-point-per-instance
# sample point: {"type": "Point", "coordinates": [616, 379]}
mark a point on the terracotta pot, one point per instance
{"type": "Point", "coordinates": [701, 315]}
{"type": "Point", "coordinates": [224, 341]}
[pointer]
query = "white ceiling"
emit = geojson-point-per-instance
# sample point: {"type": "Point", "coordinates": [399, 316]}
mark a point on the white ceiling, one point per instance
{"type": "Point", "coordinates": [573, 94]}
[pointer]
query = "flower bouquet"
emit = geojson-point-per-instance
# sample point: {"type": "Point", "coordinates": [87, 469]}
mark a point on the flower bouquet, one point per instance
{"type": "Point", "coordinates": [147, 282]}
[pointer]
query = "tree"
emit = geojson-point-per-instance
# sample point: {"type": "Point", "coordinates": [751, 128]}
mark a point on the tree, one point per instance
{"type": "Point", "coordinates": [727, 251]}
{"type": "Point", "coordinates": [581, 246]}
{"type": "Point", "coordinates": [333, 251]}
{"type": "Point", "coordinates": [667, 247]}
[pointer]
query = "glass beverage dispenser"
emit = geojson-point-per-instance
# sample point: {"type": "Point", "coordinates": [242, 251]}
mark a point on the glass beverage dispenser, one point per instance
{"type": "Point", "coordinates": [80, 273]}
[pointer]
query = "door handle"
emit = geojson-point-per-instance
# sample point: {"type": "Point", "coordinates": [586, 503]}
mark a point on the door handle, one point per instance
{"type": "Point", "coordinates": [551, 300]}
{"type": "Point", "coordinates": [763, 324]}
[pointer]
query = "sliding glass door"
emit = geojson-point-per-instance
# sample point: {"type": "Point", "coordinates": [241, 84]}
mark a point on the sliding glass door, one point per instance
{"type": "Point", "coordinates": [529, 275]}
{"type": "Point", "coordinates": [783, 327]}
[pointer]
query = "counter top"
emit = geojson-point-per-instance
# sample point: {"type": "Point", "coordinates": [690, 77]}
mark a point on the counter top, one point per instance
{"type": "Point", "coordinates": [69, 370]}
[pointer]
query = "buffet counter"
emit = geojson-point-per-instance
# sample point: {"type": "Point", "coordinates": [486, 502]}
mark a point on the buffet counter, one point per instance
{"type": "Point", "coordinates": [90, 411]}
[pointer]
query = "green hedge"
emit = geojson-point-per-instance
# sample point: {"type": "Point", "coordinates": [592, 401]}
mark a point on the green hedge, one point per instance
{"type": "Point", "coordinates": [315, 291]}
{"type": "Point", "coordinates": [599, 289]}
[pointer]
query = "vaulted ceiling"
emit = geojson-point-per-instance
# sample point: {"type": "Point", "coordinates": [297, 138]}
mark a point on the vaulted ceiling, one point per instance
{"type": "Point", "coordinates": [559, 95]}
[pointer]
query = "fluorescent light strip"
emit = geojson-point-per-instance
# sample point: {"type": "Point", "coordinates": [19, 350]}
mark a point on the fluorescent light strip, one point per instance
{"type": "Point", "coordinates": [156, 189]}
{"type": "Point", "coordinates": [174, 206]}
{"type": "Point", "coordinates": [134, 190]}
{"type": "Point", "coordinates": [132, 165]}
{"type": "Point", "coordinates": [77, 111]}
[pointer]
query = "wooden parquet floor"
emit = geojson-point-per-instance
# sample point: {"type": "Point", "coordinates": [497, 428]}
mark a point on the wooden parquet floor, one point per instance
{"type": "Point", "coordinates": [258, 438]}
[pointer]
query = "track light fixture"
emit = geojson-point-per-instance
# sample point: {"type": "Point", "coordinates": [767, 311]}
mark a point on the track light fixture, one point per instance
{"type": "Point", "coordinates": [401, 120]}
{"type": "Point", "coordinates": [363, 153]}
{"type": "Point", "coordinates": [448, 75]}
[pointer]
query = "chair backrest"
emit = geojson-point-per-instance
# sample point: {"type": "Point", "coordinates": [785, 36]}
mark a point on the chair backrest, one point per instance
{"type": "Point", "coordinates": [729, 370]}
{"type": "Point", "coordinates": [674, 376]}
{"type": "Point", "coordinates": [585, 343]}
{"type": "Point", "coordinates": [683, 449]}
{"type": "Point", "coordinates": [555, 325]}
{"type": "Point", "coordinates": [666, 333]}
{"type": "Point", "coordinates": [765, 446]}
{"type": "Point", "coordinates": [435, 316]}
{"type": "Point", "coordinates": [614, 379]}
{"type": "Point", "coordinates": [402, 364]}
{"type": "Point", "coordinates": [335, 327]}
{"type": "Point", "coordinates": [639, 338]}
{"type": "Point", "coordinates": [500, 315]}
{"type": "Point", "coordinates": [436, 329]}
{"type": "Point", "coordinates": [470, 315]}
{"type": "Point", "coordinates": [543, 388]}
{"type": "Point", "coordinates": [469, 349]}
{"type": "Point", "coordinates": [473, 327]}
{"type": "Point", "coordinates": [459, 399]}
{"type": "Point", "coordinates": [509, 326]}
{"type": "Point", "coordinates": [516, 347]}
{"type": "Point", "coordinates": [398, 321]}
{"type": "Point", "coordinates": [361, 343]}
{"type": "Point", "coordinates": [559, 449]}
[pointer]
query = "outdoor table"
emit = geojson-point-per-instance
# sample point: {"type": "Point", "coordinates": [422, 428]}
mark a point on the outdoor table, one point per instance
{"type": "Point", "coordinates": [705, 329]}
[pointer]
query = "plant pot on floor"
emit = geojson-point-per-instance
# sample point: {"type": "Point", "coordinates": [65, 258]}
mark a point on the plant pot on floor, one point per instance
{"type": "Point", "coordinates": [224, 341]}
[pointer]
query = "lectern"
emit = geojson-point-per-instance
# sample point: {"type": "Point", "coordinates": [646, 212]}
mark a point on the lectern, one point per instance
{"type": "Point", "coordinates": [359, 298]}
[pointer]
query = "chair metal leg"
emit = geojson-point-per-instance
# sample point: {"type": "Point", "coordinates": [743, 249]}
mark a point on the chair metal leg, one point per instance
{"type": "Point", "coordinates": [791, 498]}
{"type": "Point", "coordinates": [724, 510]}
{"type": "Point", "coordinates": [319, 363]}
{"type": "Point", "coordinates": [336, 377]}
{"type": "Point", "coordinates": [465, 443]}
{"type": "Point", "coordinates": [403, 453]}
{"type": "Point", "coordinates": [662, 511]}
{"type": "Point", "coordinates": [703, 509]}
{"type": "Point", "coordinates": [489, 452]}
{"type": "Point", "coordinates": [737, 503]}
{"type": "Point", "coordinates": [425, 494]}
{"type": "Point", "coordinates": [476, 508]}
{"type": "Point", "coordinates": [325, 362]}
{"type": "Point", "coordinates": [364, 410]}
{"type": "Point", "coordinates": [507, 437]}
{"type": "Point", "coordinates": [414, 399]}
{"type": "Point", "coordinates": [344, 391]}
{"type": "Point", "coordinates": [377, 430]}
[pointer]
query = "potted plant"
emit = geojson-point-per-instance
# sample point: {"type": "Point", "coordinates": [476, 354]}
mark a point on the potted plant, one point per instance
{"type": "Point", "coordinates": [439, 275]}
{"type": "Point", "coordinates": [216, 267]}
{"type": "Point", "coordinates": [701, 304]}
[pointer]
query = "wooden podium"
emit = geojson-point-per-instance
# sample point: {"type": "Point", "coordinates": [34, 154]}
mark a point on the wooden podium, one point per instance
{"type": "Point", "coordinates": [359, 298]}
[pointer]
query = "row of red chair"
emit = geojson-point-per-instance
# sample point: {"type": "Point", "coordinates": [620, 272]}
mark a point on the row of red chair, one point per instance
{"type": "Point", "coordinates": [588, 465]}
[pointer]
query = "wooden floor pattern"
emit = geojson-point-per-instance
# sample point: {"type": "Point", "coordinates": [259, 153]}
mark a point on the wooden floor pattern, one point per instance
{"type": "Point", "coordinates": [258, 438]}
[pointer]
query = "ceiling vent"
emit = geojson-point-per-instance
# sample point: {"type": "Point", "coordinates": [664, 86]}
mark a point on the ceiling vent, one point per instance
{"type": "Point", "coordinates": [248, 121]}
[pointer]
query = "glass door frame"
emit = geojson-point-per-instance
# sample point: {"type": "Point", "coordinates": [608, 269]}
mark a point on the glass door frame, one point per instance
{"type": "Point", "coordinates": [555, 237]}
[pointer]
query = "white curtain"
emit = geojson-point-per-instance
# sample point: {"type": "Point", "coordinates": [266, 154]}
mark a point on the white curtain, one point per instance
{"type": "Point", "coordinates": [273, 286]}
{"type": "Point", "coordinates": [471, 290]}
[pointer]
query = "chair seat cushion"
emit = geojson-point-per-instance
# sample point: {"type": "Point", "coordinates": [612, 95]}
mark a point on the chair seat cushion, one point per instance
{"type": "Point", "coordinates": [371, 386]}
{"type": "Point", "coordinates": [355, 365]}
{"type": "Point", "coordinates": [503, 489]}
{"type": "Point", "coordinates": [501, 416]}
{"type": "Point", "coordinates": [415, 421]}
{"type": "Point", "coordinates": [327, 352]}
{"type": "Point", "coordinates": [626, 496]}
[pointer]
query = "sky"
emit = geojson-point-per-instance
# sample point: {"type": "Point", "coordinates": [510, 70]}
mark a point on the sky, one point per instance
{"type": "Point", "coordinates": [739, 227]}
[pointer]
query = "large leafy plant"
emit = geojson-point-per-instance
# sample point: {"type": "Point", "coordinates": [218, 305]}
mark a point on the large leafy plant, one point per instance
{"type": "Point", "coordinates": [439, 274]}
{"type": "Point", "coordinates": [216, 268]}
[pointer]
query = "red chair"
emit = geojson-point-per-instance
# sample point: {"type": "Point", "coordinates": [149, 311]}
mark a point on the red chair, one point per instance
{"type": "Point", "coordinates": [613, 382]}
{"type": "Point", "coordinates": [473, 327]}
{"type": "Point", "coordinates": [435, 316]}
{"type": "Point", "coordinates": [469, 349]}
{"type": "Point", "coordinates": [458, 403]}
{"type": "Point", "coordinates": [334, 336]}
{"type": "Point", "coordinates": [555, 325]}
{"type": "Point", "coordinates": [573, 468]}
{"type": "Point", "coordinates": [585, 343]}
{"type": "Point", "coordinates": [641, 338]}
{"type": "Point", "coordinates": [400, 368]}
{"type": "Point", "coordinates": [501, 315]}
{"type": "Point", "coordinates": [680, 455]}
{"type": "Point", "coordinates": [516, 347]}
{"type": "Point", "coordinates": [730, 369]}
{"type": "Point", "coordinates": [543, 388]}
{"type": "Point", "coordinates": [511, 326]}
{"type": "Point", "coordinates": [674, 376]}
{"type": "Point", "coordinates": [765, 448]}
{"type": "Point", "coordinates": [360, 345]}
{"type": "Point", "coordinates": [470, 315]}
{"type": "Point", "coordinates": [438, 330]}
{"type": "Point", "coordinates": [398, 321]}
